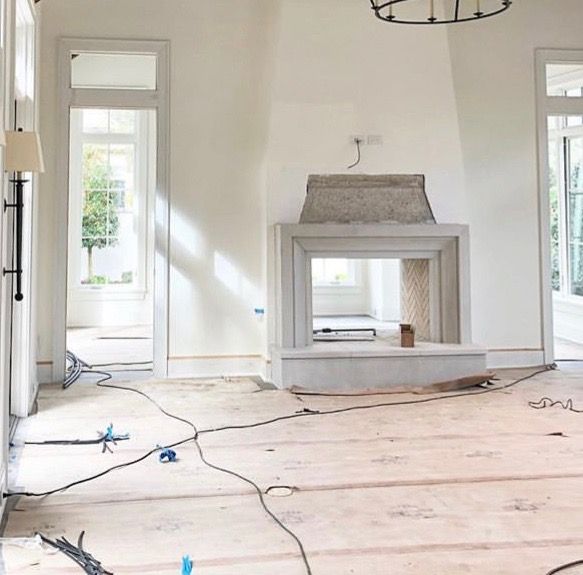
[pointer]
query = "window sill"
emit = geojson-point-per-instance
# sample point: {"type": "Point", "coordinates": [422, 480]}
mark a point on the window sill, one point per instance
{"type": "Point", "coordinates": [568, 303]}
{"type": "Point", "coordinates": [106, 294]}
{"type": "Point", "coordinates": [337, 289]}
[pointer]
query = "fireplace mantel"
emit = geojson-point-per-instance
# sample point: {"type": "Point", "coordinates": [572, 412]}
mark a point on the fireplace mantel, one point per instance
{"type": "Point", "coordinates": [446, 246]}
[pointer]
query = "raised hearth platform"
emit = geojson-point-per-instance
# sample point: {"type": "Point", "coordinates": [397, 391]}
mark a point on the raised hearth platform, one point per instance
{"type": "Point", "coordinates": [343, 366]}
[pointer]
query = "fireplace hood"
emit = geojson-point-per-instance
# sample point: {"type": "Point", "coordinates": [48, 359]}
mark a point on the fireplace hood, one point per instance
{"type": "Point", "coordinates": [363, 199]}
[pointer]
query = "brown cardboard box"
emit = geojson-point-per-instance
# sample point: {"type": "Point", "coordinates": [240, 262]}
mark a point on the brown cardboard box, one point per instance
{"type": "Point", "coordinates": [407, 335]}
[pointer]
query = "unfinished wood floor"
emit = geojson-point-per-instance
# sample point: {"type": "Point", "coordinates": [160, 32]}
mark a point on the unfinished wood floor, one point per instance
{"type": "Point", "coordinates": [479, 485]}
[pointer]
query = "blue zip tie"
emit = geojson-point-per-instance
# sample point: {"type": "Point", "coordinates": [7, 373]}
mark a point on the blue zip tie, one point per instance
{"type": "Point", "coordinates": [168, 455]}
{"type": "Point", "coordinates": [187, 565]}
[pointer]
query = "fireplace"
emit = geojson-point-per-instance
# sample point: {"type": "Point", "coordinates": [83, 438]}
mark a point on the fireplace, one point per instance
{"type": "Point", "coordinates": [437, 254]}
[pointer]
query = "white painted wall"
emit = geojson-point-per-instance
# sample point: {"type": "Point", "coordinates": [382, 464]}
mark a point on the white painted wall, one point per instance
{"type": "Point", "coordinates": [340, 72]}
{"type": "Point", "coordinates": [385, 289]}
{"type": "Point", "coordinates": [344, 300]}
{"type": "Point", "coordinates": [219, 107]}
{"type": "Point", "coordinates": [493, 65]}
{"type": "Point", "coordinates": [265, 92]}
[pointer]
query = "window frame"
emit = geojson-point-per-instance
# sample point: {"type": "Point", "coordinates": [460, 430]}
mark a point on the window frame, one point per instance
{"type": "Point", "coordinates": [355, 285]}
{"type": "Point", "coordinates": [157, 100]}
{"type": "Point", "coordinates": [141, 142]}
{"type": "Point", "coordinates": [547, 106]}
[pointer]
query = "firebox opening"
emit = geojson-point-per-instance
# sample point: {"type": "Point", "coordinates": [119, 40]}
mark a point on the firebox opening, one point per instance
{"type": "Point", "coordinates": [355, 299]}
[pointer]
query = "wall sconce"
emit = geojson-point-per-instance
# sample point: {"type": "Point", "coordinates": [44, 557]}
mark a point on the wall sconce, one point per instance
{"type": "Point", "coordinates": [23, 154]}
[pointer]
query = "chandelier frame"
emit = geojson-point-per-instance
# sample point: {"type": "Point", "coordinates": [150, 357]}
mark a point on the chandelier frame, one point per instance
{"type": "Point", "coordinates": [384, 10]}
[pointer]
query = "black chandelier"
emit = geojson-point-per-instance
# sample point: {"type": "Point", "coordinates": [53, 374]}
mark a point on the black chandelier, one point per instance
{"type": "Point", "coordinates": [395, 11]}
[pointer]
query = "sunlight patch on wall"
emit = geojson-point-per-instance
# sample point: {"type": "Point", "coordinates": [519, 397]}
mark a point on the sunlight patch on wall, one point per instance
{"type": "Point", "coordinates": [232, 278]}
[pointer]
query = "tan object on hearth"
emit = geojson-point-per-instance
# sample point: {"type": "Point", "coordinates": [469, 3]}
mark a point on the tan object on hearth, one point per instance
{"type": "Point", "coordinates": [407, 335]}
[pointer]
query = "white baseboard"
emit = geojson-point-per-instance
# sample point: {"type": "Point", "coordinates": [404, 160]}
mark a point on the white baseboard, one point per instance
{"type": "Point", "coordinates": [208, 366]}
{"type": "Point", "coordinates": [256, 365]}
{"type": "Point", "coordinates": [507, 358]}
{"type": "Point", "coordinates": [44, 372]}
{"type": "Point", "coordinates": [234, 366]}
{"type": "Point", "coordinates": [218, 366]}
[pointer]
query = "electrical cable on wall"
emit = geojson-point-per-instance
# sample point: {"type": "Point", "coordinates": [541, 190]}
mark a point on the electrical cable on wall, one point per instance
{"type": "Point", "coordinates": [358, 142]}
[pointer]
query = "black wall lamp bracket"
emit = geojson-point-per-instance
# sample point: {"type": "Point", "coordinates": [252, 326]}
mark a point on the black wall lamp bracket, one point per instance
{"type": "Point", "coordinates": [18, 207]}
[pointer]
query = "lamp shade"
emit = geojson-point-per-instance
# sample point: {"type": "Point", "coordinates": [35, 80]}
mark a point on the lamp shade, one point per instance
{"type": "Point", "coordinates": [23, 152]}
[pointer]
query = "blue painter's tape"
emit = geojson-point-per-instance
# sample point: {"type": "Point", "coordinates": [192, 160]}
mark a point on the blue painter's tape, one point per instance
{"type": "Point", "coordinates": [187, 565]}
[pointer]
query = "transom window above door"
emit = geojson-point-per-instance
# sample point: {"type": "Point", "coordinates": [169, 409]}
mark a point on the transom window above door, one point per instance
{"type": "Point", "coordinates": [565, 80]}
{"type": "Point", "coordinates": [111, 71]}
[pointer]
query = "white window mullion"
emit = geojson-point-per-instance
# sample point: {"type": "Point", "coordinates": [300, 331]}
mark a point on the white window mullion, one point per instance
{"type": "Point", "coordinates": [563, 219]}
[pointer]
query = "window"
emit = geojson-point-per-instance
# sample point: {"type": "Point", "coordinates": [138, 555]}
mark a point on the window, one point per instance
{"type": "Point", "coordinates": [113, 71]}
{"type": "Point", "coordinates": [335, 272]}
{"type": "Point", "coordinates": [565, 80]}
{"type": "Point", "coordinates": [566, 202]}
{"type": "Point", "coordinates": [109, 194]}
{"type": "Point", "coordinates": [24, 55]}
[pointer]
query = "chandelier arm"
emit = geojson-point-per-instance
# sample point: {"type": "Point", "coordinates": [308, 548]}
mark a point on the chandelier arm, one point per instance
{"type": "Point", "coordinates": [378, 7]}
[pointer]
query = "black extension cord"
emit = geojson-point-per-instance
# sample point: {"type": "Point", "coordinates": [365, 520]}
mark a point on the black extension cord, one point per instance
{"type": "Point", "coordinates": [546, 402]}
{"type": "Point", "coordinates": [77, 554]}
{"type": "Point", "coordinates": [565, 567]}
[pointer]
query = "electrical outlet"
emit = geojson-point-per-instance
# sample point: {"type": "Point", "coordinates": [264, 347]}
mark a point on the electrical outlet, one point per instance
{"type": "Point", "coordinates": [360, 137]}
{"type": "Point", "coordinates": [374, 140]}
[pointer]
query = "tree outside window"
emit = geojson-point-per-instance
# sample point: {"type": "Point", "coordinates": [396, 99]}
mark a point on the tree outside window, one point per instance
{"type": "Point", "coordinates": [100, 222]}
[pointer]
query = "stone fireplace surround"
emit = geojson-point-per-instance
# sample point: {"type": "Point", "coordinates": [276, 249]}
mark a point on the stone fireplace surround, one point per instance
{"type": "Point", "coordinates": [297, 360]}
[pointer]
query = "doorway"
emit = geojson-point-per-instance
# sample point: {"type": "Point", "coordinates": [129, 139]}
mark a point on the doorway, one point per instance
{"type": "Point", "coordinates": [111, 303]}
{"type": "Point", "coordinates": [566, 206]}
{"type": "Point", "coordinates": [560, 105]}
{"type": "Point", "coordinates": [110, 275]}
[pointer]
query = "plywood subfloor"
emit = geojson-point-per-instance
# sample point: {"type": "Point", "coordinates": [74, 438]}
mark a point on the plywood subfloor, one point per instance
{"type": "Point", "coordinates": [477, 485]}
